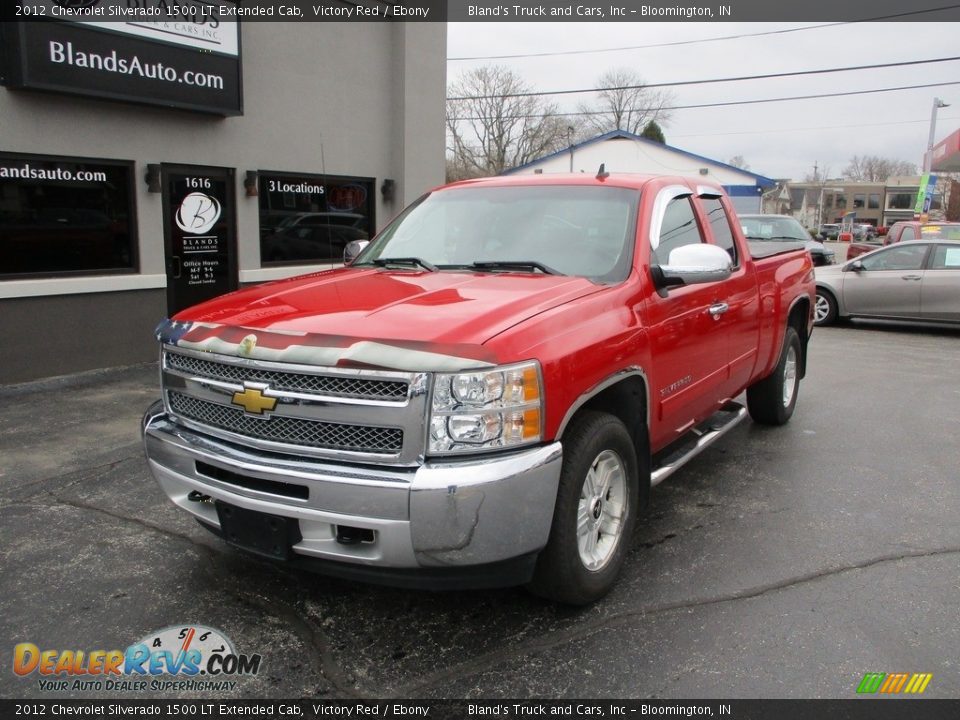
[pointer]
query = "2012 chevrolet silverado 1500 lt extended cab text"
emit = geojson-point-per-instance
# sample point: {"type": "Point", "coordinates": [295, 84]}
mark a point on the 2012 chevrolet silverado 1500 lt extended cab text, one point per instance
{"type": "Point", "coordinates": [487, 394]}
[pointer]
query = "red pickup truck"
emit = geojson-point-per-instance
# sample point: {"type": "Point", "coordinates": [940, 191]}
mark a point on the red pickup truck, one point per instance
{"type": "Point", "coordinates": [486, 395]}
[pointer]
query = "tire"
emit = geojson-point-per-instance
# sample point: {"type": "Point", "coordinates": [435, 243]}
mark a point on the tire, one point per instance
{"type": "Point", "coordinates": [771, 401]}
{"type": "Point", "coordinates": [824, 308]}
{"type": "Point", "coordinates": [592, 526]}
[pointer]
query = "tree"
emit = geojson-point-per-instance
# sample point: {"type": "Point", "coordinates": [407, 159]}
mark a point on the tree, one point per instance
{"type": "Point", "coordinates": [624, 103]}
{"type": "Point", "coordinates": [738, 162]}
{"type": "Point", "coordinates": [873, 168]}
{"type": "Point", "coordinates": [490, 130]}
{"type": "Point", "coordinates": [653, 132]}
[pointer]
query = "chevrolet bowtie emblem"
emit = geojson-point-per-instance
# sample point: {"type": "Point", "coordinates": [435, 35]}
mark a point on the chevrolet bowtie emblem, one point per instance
{"type": "Point", "coordinates": [254, 401]}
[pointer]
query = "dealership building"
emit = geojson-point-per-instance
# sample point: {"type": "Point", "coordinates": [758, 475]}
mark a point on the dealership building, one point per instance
{"type": "Point", "coordinates": [148, 166]}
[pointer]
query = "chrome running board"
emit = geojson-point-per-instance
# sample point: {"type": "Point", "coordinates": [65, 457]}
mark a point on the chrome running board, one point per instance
{"type": "Point", "coordinates": [696, 441]}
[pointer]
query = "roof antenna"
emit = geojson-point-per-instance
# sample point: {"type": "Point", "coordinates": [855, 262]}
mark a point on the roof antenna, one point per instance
{"type": "Point", "coordinates": [602, 174]}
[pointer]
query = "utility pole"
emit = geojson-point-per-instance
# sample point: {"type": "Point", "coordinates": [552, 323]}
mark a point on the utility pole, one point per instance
{"type": "Point", "coordinates": [928, 158]}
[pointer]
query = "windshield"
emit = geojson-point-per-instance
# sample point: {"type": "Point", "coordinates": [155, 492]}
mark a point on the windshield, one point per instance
{"type": "Point", "coordinates": [567, 230]}
{"type": "Point", "coordinates": [773, 228]}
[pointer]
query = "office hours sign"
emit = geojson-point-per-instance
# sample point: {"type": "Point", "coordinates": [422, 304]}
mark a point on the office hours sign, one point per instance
{"type": "Point", "coordinates": [200, 234]}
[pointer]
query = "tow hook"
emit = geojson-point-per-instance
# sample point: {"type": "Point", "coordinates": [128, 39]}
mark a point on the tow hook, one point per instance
{"type": "Point", "coordinates": [347, 535]}
{"type": "Point", "coordinates": [199, 497]}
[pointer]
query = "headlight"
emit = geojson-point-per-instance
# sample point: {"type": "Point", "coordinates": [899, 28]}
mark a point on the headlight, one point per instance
{"type": "Point", "coordinates": [477, 411]}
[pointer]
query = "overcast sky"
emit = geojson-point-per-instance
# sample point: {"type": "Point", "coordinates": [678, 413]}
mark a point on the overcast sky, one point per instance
{"type": "Point", "coordinates": [781, 139]}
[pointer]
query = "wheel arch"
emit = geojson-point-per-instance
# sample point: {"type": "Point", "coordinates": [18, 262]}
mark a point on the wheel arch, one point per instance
{"type": "Point", "coordinates": [798, 318]}
{"type": "Point", "coordinates": [626, 396]}
{"type": "Point", "coordinates": [832, 292]}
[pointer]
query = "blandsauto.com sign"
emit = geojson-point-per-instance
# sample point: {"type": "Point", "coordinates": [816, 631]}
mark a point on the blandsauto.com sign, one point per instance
{"type": "Point", "coordinates": [190, 60]}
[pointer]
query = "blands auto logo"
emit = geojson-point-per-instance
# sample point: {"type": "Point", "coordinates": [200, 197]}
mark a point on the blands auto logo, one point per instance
{"type": "Point", "coordinates": [177, 651]}
{"type": "Point", "coordinates": [198, 213]}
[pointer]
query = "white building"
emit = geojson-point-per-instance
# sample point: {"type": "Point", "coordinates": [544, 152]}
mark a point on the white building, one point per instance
{"type": "Point", "coordinates": [625, 152]}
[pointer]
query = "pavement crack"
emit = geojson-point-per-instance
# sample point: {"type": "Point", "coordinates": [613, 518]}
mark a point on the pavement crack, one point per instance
{"type": "Point", "coordinates": [18, 492]}
{"type": "Point", "coordinates": [591, 627]}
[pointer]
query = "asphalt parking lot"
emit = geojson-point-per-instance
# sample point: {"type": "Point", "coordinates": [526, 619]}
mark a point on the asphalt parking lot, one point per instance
{"type": "Point", "coordinates": [782, 562]}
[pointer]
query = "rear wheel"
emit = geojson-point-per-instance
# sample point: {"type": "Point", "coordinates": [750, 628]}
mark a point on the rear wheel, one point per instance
{"type": "Point", "coordinates": [771, 401]}
{"type": "Point", "coordinates": [595, 514]}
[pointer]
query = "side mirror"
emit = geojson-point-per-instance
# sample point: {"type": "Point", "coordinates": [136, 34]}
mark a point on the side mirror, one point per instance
{"type": "Point", "coordinates": [856, 266]}
{"type": "Point", "coordinates": [694, 264]}
{"type": "Point", "coordinates": [352, 249]}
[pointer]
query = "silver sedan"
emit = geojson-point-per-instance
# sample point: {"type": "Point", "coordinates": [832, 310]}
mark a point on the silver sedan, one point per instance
{"type": "Point", "coordinates": [917, 280]}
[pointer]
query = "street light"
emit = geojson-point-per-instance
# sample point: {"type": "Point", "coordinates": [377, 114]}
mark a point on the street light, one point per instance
{"type": "Point", "coordinates": [928, 158]}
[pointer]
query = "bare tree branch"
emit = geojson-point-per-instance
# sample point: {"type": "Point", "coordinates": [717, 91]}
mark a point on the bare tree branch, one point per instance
{"type": "Point", "coordinates": [619, 107]}
{"type": "Point", "coordinates": [873, 168]}
{"type": "Point", "coordinates": [488, 131]}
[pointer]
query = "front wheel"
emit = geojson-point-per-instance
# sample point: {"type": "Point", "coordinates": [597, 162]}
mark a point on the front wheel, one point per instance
{"type": "Point", "coordinates": [595, 514]}
{"type": "Point", "coordinates": [771, 401]}
{"type": "Point", "coordinates": [824, 308]}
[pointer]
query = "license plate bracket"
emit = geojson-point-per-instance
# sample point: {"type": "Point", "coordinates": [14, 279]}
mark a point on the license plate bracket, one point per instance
{"type": "Point", "coordinates": [271, 536]}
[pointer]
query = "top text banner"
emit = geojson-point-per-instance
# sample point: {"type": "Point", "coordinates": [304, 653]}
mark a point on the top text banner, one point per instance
{"type": "Point", "coordinates": [211, 12]}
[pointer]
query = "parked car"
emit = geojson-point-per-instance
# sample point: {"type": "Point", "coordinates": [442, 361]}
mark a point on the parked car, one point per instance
{"type": "Point", "coordinates": [915, 230]}
{"type": "Point", "coordinates": [856, 249]}
{"type": "Point", "coordinates": [486, 396]}
{"type": "Point", "coordinates": [783, 228]}
{"type": "Point", "coordinates": [313, 237]}
{"type": "Point", "coordinates": [864, 241]}
{"type": "Point", "coordinates": [912, 280]}
{"type": "Point", "coordinates": [829, 231]}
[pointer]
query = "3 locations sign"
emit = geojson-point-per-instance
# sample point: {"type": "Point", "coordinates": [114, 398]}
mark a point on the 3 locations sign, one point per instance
{"type": "Point", "coordinates": [174, 53]}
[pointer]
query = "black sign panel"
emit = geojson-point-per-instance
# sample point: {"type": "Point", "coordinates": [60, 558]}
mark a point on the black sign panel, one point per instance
{"type": "Point", "coordinates": [200, 234]}
{"type": "Point", "coordinates": [61, 215]}
{"type": "Point", "coordinates": [81, 59]}
{"type": "Point", "coordinates": [312, 218]}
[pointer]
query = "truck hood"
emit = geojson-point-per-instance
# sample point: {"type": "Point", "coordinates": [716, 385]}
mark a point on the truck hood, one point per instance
{"type": "Point", "coordinates": [354, 316]}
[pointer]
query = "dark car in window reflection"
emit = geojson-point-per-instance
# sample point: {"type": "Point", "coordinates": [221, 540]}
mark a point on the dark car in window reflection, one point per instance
{"type": "Point", "coordinates": [313, 237]}
{"type": "Point", "coordinates": [58, 239]}
{"type": "Point", "coordinates": [913, 281]}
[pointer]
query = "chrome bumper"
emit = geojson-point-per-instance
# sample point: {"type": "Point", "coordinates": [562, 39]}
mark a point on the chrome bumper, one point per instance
{"type": "Point", "coordinates": [454, 513]}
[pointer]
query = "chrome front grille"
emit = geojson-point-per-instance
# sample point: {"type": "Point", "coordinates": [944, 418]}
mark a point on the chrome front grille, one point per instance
{"type": "Point", "coordinates": [288, 430]}
{"type": "Point", "coordinates": [348, 414]}
{"type": "Point", "coordinates": [284, 381]}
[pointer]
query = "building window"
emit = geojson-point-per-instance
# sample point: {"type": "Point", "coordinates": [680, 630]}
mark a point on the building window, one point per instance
{"type": "Point", "coordinates": [873, 201]}
{"type": "Point", "coordinates": [840, 201]}
{"type": "Point", "coordinates": [858, 200]}
{"type": "Point", "coordinates": [901, 201]}
{"type": "Point", "coordinates": [311, 218]}
{"type": "Point", "coordinates": [65, 216]}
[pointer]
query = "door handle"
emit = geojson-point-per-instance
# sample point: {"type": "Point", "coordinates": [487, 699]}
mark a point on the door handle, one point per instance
{"type": "Point", "coordinates": [910, 277]}
{"type": "Point", "coordinates": [175, 267]}
{"type": "Point", "coordinates": [718, 309]}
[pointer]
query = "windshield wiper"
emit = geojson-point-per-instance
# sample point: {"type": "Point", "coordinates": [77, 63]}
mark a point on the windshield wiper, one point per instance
{"type": "Point", "coordinates": [514, 265]}
{"type": "Point", "coordinates": [776, 237]}
{"type": "Point", "coordinates": [404, 261]}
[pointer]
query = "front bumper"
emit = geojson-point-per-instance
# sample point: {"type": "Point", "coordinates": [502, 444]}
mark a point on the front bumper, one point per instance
{"type": "Point", "coordinates": [439, 515]}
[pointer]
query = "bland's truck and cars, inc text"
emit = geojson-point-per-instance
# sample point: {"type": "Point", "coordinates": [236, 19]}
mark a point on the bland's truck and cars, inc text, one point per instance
{"type": "Point", "coordinates": [486, 395]}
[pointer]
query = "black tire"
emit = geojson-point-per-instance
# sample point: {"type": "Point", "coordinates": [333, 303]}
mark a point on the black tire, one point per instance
{"type": "Point", "coordinates": [771, 401]}
{"type": "Point", "coordinates": [825, 308]}
{"type": "Point", "coordinates": [561, 574]}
